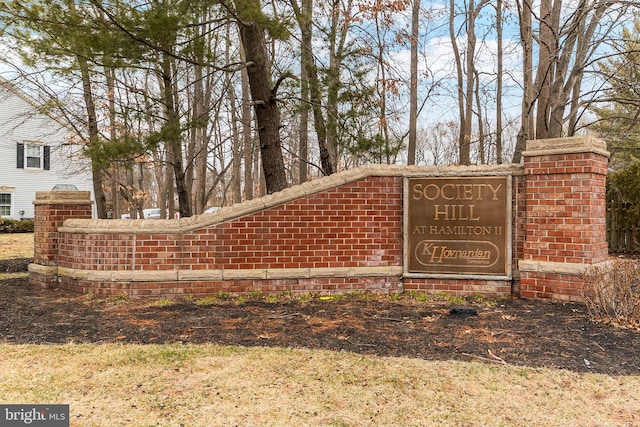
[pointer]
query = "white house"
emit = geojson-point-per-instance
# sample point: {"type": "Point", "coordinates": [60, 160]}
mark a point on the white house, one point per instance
{"type": "Point", "coordinates": [36, 154]}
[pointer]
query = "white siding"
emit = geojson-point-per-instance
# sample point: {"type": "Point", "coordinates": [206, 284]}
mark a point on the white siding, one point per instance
{"type": "Point", "coordinates": [20, 123]}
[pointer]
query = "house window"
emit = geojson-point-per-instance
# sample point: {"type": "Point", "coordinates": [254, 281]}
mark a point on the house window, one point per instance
{"type": "Point", "coordinates": [5, 204]}
{"type": "Point", "coordinates": [33, 156]}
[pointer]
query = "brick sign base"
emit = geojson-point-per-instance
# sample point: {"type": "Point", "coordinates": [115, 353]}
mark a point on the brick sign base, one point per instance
{"type": "Point", "coordinates": [337, 234]}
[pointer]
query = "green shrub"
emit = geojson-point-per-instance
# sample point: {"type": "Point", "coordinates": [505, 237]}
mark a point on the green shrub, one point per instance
{"type": "Point", "coordinates": [612, 292]}
{"type": "Point", "coordinates": [15, 226]}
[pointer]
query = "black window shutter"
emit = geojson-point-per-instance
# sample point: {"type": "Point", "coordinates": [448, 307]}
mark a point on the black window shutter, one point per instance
{"type": "Point", "coordinates": [20, 161]}
{"type": "Point", "coordinates": [47, 158]}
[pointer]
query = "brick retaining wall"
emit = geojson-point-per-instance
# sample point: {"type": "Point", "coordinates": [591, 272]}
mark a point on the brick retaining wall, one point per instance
{"type": "Point", "coordinates": [336, 234]}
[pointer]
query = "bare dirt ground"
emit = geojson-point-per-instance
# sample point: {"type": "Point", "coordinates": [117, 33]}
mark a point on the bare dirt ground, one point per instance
{"type": "Point", "coordinates": [511, 331]}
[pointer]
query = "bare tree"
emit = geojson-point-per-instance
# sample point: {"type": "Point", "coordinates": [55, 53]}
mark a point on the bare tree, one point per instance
{"type": "Point", "coordinates": [263, 93]}
{"type": "Point", "coordinates": [323, 126]}
{"type": "Point", "coordinates": [569, 37]}
{"type": "Point", "coordinates": [465, 87]}
{"type": "Point", "coordinates": [413, 90]}
{"type": "Point", "coordinates": [499, 81]}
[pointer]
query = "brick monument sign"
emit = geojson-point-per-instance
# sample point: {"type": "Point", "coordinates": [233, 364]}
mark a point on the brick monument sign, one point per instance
{"type": "Point", "coordinates": [528, 229]}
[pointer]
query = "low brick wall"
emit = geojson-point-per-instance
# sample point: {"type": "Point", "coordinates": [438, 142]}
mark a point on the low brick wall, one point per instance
{"type": "Point", "coordinates": [337, 234]}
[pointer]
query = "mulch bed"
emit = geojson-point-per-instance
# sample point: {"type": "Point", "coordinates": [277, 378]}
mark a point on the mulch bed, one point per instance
{"type": "Point", "coordinates": [510, 331]}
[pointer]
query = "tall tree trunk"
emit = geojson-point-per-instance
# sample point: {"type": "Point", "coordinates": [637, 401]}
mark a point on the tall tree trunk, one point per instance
{"type": "Point", "coordinates": [236, 148]}
{"type": "Point", "coordinates": [169, 181]}
{"type": "Point", "coordinates": [548, 59]}
{"type": "Point", "coordinates": [303, 149]}
{"type": "Point", "coordinates": [110, 78]}
{"type": "Point", "coordinates": [413, 90]}
{"type": "Point", "coordinates": [337, 40]}
{"type": "Point", "coordinates": [526, 132]}
{"type": "Point", "coordinates": [573, 113]}
{"type": "Point", "coordinates": [248, 141]}
{"type": "Point", "coordinates": [499, 83]}
{"type": "Point", "coordinates": [333, 82]}
{"type": "Point", "coordinates": [159, 156]}
{"type": "Point", "coordinates": [467, 127]}
{"type": "Point", "coordinates": [305, 46]}
{"type": "Point", "coordinates": [247, 137]}
{"type": "Point", "coordinates": [328, 160]}
{"type": "Point", "coordinates": [135, 209]}
{"type": "Point", "coordinates": [191, 148]}
{"type": "Point", "coordinates": [482, 154]}
{"type": "Point", "coordinates": [264, 100]}
{"type": "Point", "coordinates": [200, 107]}
{"type": "Point", "coordinates": [460, 81]}
{"type": "Point", "coordinates": [172, 137]}
{"type": "Point", "coordinates": [383, 125]}
{"type": "Point", "coordinates": [97, 172]}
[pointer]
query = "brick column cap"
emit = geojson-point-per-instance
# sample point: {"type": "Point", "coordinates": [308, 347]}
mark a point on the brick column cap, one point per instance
{"type": "Point", "coordinates": [570, 145]}
{"type": "Point", "coordinates": [63, 197]}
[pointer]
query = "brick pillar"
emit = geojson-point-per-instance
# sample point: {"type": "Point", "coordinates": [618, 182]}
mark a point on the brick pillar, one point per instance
{"type": "Point", "coordinates": [52, 208]}
{"type": "Point", "coordinates": [565, 215]}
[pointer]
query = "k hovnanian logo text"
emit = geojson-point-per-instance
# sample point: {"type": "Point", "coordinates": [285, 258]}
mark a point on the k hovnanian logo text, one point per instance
{"type": "Point", "coordinates": [452, 253]}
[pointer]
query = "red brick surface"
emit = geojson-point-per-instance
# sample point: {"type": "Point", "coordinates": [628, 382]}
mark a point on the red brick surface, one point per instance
{"type": "Point", "coordinates": [48, 217]}
{"type": "Point", "coordinates": [565, 219]}
{"type": "Point", "coordinates": [356, 225]}
{"type": "Point", "coordinates": [558, 287]}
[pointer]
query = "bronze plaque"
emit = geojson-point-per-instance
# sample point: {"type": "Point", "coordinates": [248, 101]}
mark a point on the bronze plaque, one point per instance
{"type": "Point", "coordinates": [458, 225]}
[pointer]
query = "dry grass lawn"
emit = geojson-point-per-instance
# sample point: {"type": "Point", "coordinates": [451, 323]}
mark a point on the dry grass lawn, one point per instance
{"type": "Point", "coordinates": [211, 385]}
{"type": "Point", "coordinates": [16, 245]}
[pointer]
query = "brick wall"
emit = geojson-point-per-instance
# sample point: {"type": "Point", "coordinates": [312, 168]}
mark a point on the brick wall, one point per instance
{"type": "Point", "coordinates": [336, 234]}
{"type": "Point", "coordinates": [51, 209]}
{"type": "Point", "coordinates": [340, 233]}
{"type": "Point", "coordinates": [355, 225]}
{"type": "Point", "coordinates": [353, 229]}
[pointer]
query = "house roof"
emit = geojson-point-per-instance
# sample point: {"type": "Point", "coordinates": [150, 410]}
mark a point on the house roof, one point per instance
{"type": "Point", "coordinates": [13, 88]}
